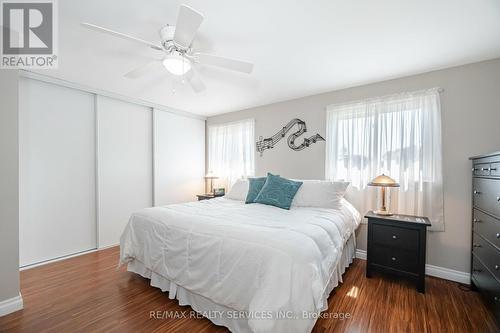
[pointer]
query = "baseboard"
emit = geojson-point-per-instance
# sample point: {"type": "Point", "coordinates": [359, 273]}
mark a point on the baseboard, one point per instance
{"type": "Point", "coordinates": [11, 305]}
{"type": "Point", "coordinates": [431, 270]}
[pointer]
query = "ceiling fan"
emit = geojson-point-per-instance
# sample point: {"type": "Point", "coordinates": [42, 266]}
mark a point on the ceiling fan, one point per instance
{"type": "Point", "coordinates": [176, 44]}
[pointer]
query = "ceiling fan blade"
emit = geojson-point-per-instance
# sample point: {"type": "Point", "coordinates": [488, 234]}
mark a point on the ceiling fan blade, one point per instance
{"type": "Point", "coordinates": [188, 22]}
{"type": "Point", "coordinates": [231, 64]}
{"type": "Point", "coordinates": [195, 81]}
{"type": "Point", "coordinates": [141, 70]}
{"type": "Point", "coordinates": [121, 35]}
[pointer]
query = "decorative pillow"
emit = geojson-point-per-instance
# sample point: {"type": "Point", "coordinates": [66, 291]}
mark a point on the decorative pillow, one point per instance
{"type": "Point", "coordinates": [238, 191]}
{"type": "Point", "coordinates": [254, 187]}
{"type": "Point", "coordinates": [320, 193]}
{"type": "Point", "coordinates": [278, 191]}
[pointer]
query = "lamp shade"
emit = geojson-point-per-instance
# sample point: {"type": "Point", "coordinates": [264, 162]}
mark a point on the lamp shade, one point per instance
{"type": "Point", "coordinates": [384, 181]}
{"type": "Point", "coordinates": [210, 175]}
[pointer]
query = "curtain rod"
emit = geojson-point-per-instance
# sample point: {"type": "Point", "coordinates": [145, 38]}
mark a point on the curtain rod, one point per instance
{"type": "Point", "coordinates": [389, 96]}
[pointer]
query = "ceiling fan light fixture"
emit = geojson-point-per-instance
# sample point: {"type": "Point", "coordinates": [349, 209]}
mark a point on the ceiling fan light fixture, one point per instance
{"type": "Point", "coordinates": [176, 64]}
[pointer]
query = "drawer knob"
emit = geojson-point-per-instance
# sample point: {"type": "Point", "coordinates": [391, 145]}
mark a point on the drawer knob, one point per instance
{"type": "Point", "coordinates": [498, 235]}
{"type": "Point", "coordinates": [394, 259]}
{"type": "Point", "coordinates": [498, 198]}
{"type": "Point", "coordinates": [496, 298]}
{"type": "Point", "coordinates": [476, 220]}
{"type": "Point", "coordinates": [476, 192]}
{"type": "Point", "coordinates": [394, 237]}
{"type": "Point", "coordinates": [477, 245]}
{"type": "Point", "coordinates": [497, 267]}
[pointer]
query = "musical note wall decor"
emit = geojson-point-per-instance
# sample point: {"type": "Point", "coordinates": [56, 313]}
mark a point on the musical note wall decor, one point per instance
{"type": "Point", "coordinates": [269, 143]}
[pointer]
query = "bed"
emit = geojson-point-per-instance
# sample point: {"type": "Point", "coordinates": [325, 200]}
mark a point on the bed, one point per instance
{"type": "Point", "coordinates": [251, 268]}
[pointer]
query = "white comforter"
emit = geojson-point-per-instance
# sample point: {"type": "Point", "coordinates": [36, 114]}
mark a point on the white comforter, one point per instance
{"type": "Point", "coordinates": [261, 259]}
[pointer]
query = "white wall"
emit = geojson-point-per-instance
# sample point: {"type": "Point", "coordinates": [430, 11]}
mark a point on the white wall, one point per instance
{"type": "Point", "coordinates": [470, 121]}
{"type": "Point", "coordinates": [9, 201]}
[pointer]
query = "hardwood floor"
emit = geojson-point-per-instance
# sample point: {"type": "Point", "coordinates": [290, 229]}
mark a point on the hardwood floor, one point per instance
{"type": "Point", "coordinates": [88, 294]}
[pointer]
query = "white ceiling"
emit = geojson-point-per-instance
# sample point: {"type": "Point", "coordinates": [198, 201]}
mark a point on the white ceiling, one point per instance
{"type": "Point", "coordinates": [299, 48]}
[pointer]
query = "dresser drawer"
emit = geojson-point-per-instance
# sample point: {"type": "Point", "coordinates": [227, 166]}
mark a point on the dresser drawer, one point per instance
{"type": "Point", "coordinates": [398, 237]}
{"type": "Point", "coordinates": [486, 195]}
{"type": "Point", "coordinates": [488, 254]}
{"type": "Point", "coordinates": [495, 169]}
{"type": "Point", "coordinates": [398, 259]}
{"type": "Point", "coordinates": [487, 284]}
{"type": "Point", "coordinates": [481, 169]}
{"type": "Point", "coordinates": [487, 226]}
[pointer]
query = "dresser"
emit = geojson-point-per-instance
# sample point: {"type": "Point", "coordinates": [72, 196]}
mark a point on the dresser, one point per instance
{"type": "Point", "coordinates": [396, 245]}
{"type": "Point", "coordinates": [485, 258]}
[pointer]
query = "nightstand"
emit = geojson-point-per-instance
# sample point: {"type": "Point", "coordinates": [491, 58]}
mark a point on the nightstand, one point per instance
{"type": "Point", "coordinates": [396, 245]}
{"type": "Point", "coordinates": [208, 196]}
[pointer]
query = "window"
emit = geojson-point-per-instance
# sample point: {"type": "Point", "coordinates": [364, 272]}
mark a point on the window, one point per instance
{"type": "Point", "coordinates": [398, 135]}
{"type": "Point", "coordinates": [231, 150]}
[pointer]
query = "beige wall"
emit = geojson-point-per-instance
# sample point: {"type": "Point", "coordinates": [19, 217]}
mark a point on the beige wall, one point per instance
{"type": "Point", "coordinates": [470, 107]}
{"type": "Point", "coordinates": [9, 202]}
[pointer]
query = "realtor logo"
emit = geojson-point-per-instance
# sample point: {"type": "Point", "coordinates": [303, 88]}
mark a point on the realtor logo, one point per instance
{"type": "Point", "coordinates": [29, 34]}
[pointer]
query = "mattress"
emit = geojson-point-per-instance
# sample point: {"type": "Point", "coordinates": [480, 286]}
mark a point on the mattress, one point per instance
{"type": "Point", "coordinates": [276, 266]}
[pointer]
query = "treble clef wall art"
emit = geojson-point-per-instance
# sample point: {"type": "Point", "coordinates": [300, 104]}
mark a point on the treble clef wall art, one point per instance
{"type": "Point", "coordinates": [268, 143]}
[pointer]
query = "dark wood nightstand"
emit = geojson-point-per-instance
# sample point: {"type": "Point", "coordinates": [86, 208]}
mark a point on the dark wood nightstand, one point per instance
{"type": "Point", "coordinates": [208, 196]}
{"type": "Point", "coordinates": [396, 245]}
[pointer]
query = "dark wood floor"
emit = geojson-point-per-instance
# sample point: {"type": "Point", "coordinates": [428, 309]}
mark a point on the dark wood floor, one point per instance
{"type": "Point", "coordinates": [88, 294]}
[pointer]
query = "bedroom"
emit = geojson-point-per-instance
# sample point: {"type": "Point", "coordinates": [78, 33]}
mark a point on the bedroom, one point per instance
{"type": "Point", "coordinates": [212, 166]}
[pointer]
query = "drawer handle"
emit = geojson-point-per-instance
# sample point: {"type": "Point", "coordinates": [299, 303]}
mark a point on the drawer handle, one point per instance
{"type": "Point", "coordinates": [497, 235]}
{"type": "Point", "coordinates": [475, 169]}
{"type": "Point", "coordinates": [498, 198]}
{"type": "Point", "coordinates": [476, 220]}
{"type": "Point", "coordinates": [477, 270]}
{"type": "Point", "coordinates": [493, 169]}
{"type": "Point", "coordinates": [476, 245]}
{"type": "Point", "coordinates": [497, 267]}
{"type": "Point", "coordinates": [485, 169]}
{"type": "Point", "coordinates": [394, 258]}
{"type": "Point", "coordinates": [394, 237]}
{"type": "Point", "coordinates": [476, 192]}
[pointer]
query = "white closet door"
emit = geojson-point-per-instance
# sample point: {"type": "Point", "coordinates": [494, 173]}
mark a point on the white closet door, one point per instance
{"type": "Point", "coordinates": [179, 158]}
{"type": "Point", "coordinates": [57, 171]}
{"type": "Point", "coordinates": [125, 171]}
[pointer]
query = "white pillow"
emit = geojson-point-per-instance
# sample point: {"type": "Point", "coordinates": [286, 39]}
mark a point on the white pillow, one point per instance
{"type": "Point", "coordinates": [239, 190]}
{"type": "Point", "coordinates": [320, 193]}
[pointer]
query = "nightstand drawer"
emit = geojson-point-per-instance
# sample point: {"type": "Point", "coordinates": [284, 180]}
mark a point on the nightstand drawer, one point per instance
{"type": "Point", "coordinates": [398, 259]}
{"type": "Point", "coordinates": [489, 255]}
{"type": "Point", "coordinates": [401, 238]}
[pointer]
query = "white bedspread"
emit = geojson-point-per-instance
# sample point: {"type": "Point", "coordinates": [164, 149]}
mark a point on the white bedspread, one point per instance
{"type": "Point", "coordinates": [260, 259]}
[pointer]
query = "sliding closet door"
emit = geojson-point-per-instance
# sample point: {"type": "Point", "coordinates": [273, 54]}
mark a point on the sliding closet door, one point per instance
{"type": "Point", "coordinates": [179, 158]}
{"type": "Point", "coordinates": [125, 170]}
{"type": "Point", "coordinates": [57, 171]}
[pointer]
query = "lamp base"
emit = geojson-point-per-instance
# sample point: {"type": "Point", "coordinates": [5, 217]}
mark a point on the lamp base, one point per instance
{"type": "Point", "coordinates": [383, 212]}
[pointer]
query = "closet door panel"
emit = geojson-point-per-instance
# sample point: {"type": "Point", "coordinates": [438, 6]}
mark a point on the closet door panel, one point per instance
{"type": "Point", "coordinates": [179, 158]}
{"type": "Point", "coordinates": [57, 171]}
{"type": "Point", "coordinates": [125, 176]}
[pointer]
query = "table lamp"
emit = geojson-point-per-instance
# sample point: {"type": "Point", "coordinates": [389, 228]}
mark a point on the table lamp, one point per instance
{"type": "Point", "coordinates": [383, 181]}
{"type": "Point", "coordinates": [210, 175]}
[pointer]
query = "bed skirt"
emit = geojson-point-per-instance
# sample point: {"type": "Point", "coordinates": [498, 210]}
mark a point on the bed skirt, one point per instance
{"type": "Point", "coordinates": [205, 306]}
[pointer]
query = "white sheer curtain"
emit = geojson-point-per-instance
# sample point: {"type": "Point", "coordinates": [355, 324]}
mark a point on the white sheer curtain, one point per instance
{"type": "Point", "coordinates": [231, 150]}
{"type": "Point", "coordinates": [398, 135]}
